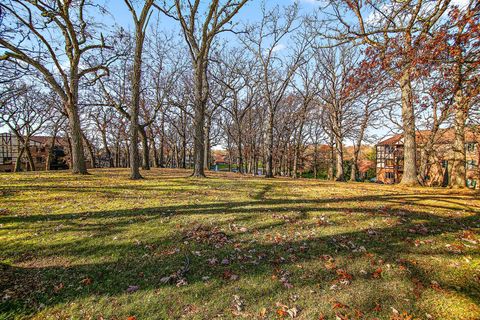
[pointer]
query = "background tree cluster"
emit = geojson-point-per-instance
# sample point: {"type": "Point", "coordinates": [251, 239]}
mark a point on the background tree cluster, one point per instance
{"type": "Point", "coordinates": [271, 92]}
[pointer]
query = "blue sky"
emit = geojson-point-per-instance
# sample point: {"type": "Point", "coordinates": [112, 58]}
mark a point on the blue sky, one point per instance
{"type": "Point", "coordinates": [250, 12]}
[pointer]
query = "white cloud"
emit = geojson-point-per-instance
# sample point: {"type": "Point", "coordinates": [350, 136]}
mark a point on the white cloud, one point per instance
{"type": "Point", "coordinates": [279, 47]}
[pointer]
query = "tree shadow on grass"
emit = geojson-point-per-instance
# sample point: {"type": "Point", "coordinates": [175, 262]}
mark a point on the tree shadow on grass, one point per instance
{"type": "Point", "coordinates": [145, 264]}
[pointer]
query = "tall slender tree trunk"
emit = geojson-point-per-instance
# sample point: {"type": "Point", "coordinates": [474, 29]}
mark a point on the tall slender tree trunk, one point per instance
{"type": "Point", "coordinates": [298, 145]}
{"type": "Point", "coordinates": [155, 151]}
{"type": "Point", "coordinates": [145, 148]}
{"type": "Point", "coordinates": [240, 150]}
{"type": "Point", "coordinates": [207, 145]}
{"type": "Point", "coordinates": [269, 138]}
{"type": "Point", "coordinates": [339, 173]}
{"type": "Point", "coordinates": [184, 152]}
{"type": "Point", "coordinates": [107, 149]}
{"type": "Point", "coordinates": [409, 177]}
{"type": "Point", "coordinates": [354, 171]}
{"type": "Point", "coordinates": [331, 167]}
{"type": "Point", "coordinates": [48, 160]}
{"type": "Point", "coordinates": [358, 146]}
{"type": "Point", "coordinates": [459, 172]}
{"type": "Point", "coordinates": [162, 143]}
{"type": "Point", "coordinates": [199, 120]}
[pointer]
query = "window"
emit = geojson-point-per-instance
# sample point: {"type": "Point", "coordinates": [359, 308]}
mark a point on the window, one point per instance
{"type": "Point", "coordinates": [470, 147]}
{"type": "Point", "coordinates": [389, 163]}
{"type": "Point", "coordinates": [389, 149]}
{"type": "Point", "coordinates": [471, 164]}
{"type": "Point", "coordinates": [390, 175]}
{"type": "Point", "coordinates": [7, 160]}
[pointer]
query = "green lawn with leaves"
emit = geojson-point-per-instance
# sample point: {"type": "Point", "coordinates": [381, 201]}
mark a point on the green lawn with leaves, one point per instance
{"type": "Point", "coordinates": [172, 247]}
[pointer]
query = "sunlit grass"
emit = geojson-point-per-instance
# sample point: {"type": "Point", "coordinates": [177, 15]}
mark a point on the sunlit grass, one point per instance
{"type": "Point", "coordinates": [102, 246]}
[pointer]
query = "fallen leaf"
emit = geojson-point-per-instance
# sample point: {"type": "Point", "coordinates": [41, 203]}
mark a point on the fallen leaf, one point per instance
{"type": "Point", "coordinates": [132, 289]}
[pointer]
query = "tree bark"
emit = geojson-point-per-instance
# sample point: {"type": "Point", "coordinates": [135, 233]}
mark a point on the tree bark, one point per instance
{"type": "Point", "coordinates": [459, 173]}
{"type": "Point", "coordinates": [199, 121]}
{"type": "Point", "coordinates": [339, 173]}
{"type": "Point", "coordinates": [107, 149]}
{"type": "Point", "coordinates": [269, 138]}
{"type": "Point", "coordinates": [77, 156]}
{"type": "Point", "coordinates": [90, 150]}
{"type": "Point", "coordinates": [409, 177]}
{"type": "Point", "coordinates": [207, 145]}
{"type": "Point", "coordinates": [48, 160]}
{"type": "Point", "coordinates": [298, 145]}
{"type": "Point", "coordinates": [145, 148]}
{"type": "Point", "coordinates": [18, 161]}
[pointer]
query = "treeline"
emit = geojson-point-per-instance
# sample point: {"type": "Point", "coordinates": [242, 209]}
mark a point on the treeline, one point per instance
{"type": "Point", "coordinates": [267, 90]}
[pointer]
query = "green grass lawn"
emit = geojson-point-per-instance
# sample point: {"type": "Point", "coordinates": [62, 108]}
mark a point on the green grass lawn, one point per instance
{"type": "Point", "coordinates": [172, 247]}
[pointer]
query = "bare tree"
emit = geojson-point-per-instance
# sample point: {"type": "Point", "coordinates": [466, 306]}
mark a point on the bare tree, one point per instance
{"type": "Point", "coordinates": [265, 41]}
{"type": "Point", "coordinates": [199, 31]}
{"type": "Point", "coordinates": [64, 37]}
{"type": "Point", "coordinates": [25, 113]}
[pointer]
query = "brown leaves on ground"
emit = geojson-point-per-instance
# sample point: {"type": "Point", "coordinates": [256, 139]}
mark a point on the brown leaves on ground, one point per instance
{"type": "Point", "coordinates": [401, 316]}
{"type": "Point", "coordinates": [178, 277]}
{"type": "Point", "coordinates": [230, 276]}
{"type": "Point", "coordinates": [284, 277]}
{"type": "Point", "coordinates": [345, 312]}
{"type": "Point", "coordinates": [344, 277]}
{"type": "Point", "coordinates": [469, 236]}
{"type": "Point", "coordinates": [86, 281]}
{"type": "Point", "coordinates": [377, 273]}
{"type": "Point", "coordinates": [284, 311]}
{"type": "Point", "coordinates": [207, 235]}
{"type": "Point", "coordinates": [57, 288]}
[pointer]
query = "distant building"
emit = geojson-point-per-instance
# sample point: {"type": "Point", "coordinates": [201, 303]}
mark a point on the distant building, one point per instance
{"type": "Point", "coordinates": [39, 148]}
{"type": "Point", "coordinates": [389, 162]}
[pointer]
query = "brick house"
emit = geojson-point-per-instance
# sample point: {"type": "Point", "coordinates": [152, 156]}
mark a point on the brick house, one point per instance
{"type": "Point", "coordinates": [39, 148]}
{"type": "Point", "coordinates": [389, 157]}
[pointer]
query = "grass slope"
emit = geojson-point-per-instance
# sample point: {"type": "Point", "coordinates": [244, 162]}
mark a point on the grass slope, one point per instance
{"type": "Point", "coordinates": [170, 247]}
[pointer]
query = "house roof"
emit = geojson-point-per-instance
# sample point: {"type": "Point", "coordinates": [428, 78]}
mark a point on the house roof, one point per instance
{"type": "Point", "coordinates": [443, 136]}
{"type": "Point", "coordinates": [219, 157]}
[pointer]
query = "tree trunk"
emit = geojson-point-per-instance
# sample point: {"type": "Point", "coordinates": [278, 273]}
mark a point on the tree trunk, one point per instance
{"type": "Point", "coordinates": [155, 152]}
{"type": "Point", "coordinates": [239, 150]}
{"type": "Point", "coordinates": [269, 160]}
{"type": "Point", "coordinates": [207, 144]}
{"type": "Point", "coordinates": [409, 177]}
{"type": "Point", "coordinates": [199, 119]}
{"type": "Point", "coordinates": [145, 148]}
{"type": "Point", "coordinates": [331, 164]}
{"type": "Point", "coordinates": [162, 143]}
{"type": "Point", "coordinates": [18, 161]}
{"type": "Point", "coordinates": [298, 145]}
{"type": "Point", "coordinates": [107, 149]}
{"type": "Point", "coordinates": [459, 172]}
{"type": "Point", "coordinates": [339, 173]}
{"type": "Point", "coordinates": [90, 150]}
{"type": "Point", "coordinates": [48, 160]}
{"type": "Point", "coordinates": [77, 156]}
{"type": "Point", "coordinates": [31, 162]}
